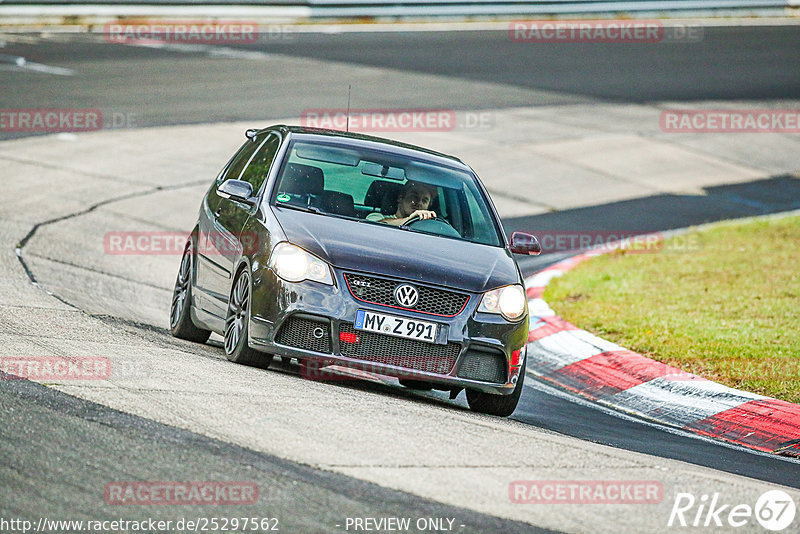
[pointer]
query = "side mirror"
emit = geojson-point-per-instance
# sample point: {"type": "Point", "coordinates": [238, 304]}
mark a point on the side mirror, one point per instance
{"type": "Point", "coordinates": [524, 243]}
{"type": "Point", "coordinates": [251, 134]}
{"type": "Point", "coordinates": [238, 190]}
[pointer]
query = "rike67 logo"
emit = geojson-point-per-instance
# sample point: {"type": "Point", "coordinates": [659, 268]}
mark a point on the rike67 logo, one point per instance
{"type": "Point", "coordinates": [774, 510]}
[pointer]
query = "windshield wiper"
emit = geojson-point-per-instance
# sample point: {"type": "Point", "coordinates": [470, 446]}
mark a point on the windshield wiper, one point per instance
{"type": "Point", "coordinates": [309, 209]}
{"type": "Point", "coordinates": [318, 211]}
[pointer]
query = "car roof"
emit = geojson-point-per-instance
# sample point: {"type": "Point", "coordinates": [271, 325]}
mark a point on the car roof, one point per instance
{"type": "Point", "coordinates": [368, 141]}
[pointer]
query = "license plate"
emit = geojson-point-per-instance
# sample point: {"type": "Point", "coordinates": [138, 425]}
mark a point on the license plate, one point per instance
{"type": "Point", "coordinates": [396, 326]}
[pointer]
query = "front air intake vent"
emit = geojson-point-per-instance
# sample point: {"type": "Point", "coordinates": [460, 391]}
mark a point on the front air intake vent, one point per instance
{"type": "Point", "coordinates": [484, 364]}
{"type": "Point", "coordinates": [306, 332]}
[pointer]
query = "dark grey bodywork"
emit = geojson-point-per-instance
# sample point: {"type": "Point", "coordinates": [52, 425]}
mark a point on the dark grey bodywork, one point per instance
{"type": "Point", "coordinates": [358, 249]}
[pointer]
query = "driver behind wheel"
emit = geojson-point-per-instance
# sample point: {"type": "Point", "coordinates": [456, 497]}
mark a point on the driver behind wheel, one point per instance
{"type": "Point", "coordinates": [413, 202]}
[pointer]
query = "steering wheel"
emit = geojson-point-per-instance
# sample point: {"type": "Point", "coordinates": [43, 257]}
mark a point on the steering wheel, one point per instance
{"type": "Point", "coordinates": [435, 225]}
{"type": "Point", "coordinates": [417, 218]}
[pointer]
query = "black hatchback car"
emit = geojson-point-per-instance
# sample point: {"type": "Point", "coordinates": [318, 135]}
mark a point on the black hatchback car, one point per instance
{"type": "Point", "coordinates": [342, 249]}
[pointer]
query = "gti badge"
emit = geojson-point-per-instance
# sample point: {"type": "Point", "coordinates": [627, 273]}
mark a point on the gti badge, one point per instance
{"type": "Point", "coordinates": [406, 295]}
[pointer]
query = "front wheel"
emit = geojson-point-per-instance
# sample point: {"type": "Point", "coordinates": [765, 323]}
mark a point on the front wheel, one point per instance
{"type": "Point", "coordinates": [180, 317]}
{"type": "Point", "coordinates": [500, 405]}
{"type": "Point", "coordinates": [237, 324]}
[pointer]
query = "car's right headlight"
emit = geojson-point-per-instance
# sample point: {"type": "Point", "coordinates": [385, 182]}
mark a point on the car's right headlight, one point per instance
{"type": "Point", "coordinates": [294, 264]}
{"type": "Point", "coordinates": [508, 301]}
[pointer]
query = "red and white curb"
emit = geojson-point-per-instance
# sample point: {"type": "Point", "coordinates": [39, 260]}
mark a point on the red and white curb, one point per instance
{"type": "Point", "coordinates": [573, 359]}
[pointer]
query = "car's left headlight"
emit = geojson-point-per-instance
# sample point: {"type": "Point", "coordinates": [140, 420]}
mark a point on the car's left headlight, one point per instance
{"type": "Point", "coordinates": [294, 264]}
{"type": "Point", "coordinates": [508, 301]}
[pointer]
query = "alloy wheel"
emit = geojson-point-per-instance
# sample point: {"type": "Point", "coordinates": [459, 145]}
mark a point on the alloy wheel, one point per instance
{"type": "Point", "coordinates": [237, 313]}
{"type": "Point", "coordinates": [181, 287]}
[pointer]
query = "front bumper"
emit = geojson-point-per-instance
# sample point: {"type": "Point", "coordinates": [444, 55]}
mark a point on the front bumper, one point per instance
{"type": "Point", "coordinates": [314, 322]}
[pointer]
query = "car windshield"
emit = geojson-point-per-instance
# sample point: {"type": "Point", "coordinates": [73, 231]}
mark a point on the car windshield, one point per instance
{"type": "Point", "coordinates": [367, 185]}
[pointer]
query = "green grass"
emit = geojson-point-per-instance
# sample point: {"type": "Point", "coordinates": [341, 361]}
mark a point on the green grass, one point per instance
{"type": "Point", "coordinates": [722, 303]}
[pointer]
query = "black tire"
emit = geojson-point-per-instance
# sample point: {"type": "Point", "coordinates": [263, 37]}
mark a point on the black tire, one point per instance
{"type": "Point", "coordinates": [499, 405]}
{"type": "Point", "coordinates": [418, 385]}
{"type": "Point", "coordinates": [237, 325]}
{"type": "Point", "coordinates": [180, 315]}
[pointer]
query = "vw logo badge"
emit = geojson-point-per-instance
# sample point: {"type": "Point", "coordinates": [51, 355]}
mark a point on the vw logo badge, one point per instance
{"type": "Point", "coordinates": [406, 295]}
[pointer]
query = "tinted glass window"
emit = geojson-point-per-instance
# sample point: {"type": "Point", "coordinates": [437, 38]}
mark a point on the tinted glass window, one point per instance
{"type": "Point", "coordinates": [240, 160]}
{"type": "Point", "coordinates": [258, 168]}
{"type": "Point", "coordinates": [367, 185]}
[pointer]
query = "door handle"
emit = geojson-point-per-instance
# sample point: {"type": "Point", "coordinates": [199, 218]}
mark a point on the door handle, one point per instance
{"type": "Point", "coordinates": [216, 213]}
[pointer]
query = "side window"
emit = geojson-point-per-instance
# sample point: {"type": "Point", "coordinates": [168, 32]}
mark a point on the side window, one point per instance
{"type": "Point", "coordinates": [258, 168]}
{"type": "Point", "coordinates": [478, 220]}
{"type": "Point", "coordinates": [239, 161]}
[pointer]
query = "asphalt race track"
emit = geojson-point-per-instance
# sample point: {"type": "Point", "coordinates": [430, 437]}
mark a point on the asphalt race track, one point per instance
{"type": "Point", "coordinates": [323, 452]}
{"type": "Point", "coordinates": [461, 70]}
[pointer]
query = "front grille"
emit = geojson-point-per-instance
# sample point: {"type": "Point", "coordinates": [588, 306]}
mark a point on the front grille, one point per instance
{"type": "Point", "coordinates": [407, 353]}
{"type": "Point", "coordinates": [486, 365]}
{"type": "Point", "coordinates": [381, 291]}
{"type": "Point", "coordinates": [299, 332]}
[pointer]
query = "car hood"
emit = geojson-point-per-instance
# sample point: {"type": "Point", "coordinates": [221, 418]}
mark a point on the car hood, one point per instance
{"type": "Point", "coordinates": [379, 249]}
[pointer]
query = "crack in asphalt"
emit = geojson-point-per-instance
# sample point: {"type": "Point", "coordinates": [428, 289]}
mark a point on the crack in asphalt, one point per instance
{"type": "Point", "coordinates": [24, 241]}
{"type": "Point", "coordinates": [164, 227]}
{"type": "Point", "coordinates": [97, 271]}
{"type": "Point", "coordinates": [54, 167]}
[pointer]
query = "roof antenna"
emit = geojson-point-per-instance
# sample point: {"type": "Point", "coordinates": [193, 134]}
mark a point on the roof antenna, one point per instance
{"type": "Point", "coordinates": [348, 109]}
